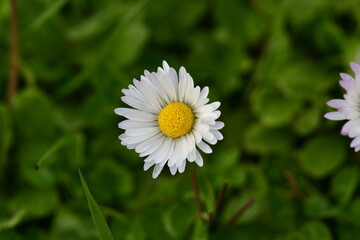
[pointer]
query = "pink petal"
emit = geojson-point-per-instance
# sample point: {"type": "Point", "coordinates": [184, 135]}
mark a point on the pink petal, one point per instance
{"type": "Point", "coordinates": [355, 67]}
{"type": "Point", "coordinates": [357, 148]}
{"type": "Point", "coordinates": [346, 77]}
{"type": "Point", "coordinates": [355, 142]}
{"type": "Point", "coordinates": [336, 103]}
{"type": "Point", "coordinates": [347, 127]}
{"type": "Point", "coordinates": [346, 81]}
{"type": "Point", "coordinates": [335, 116]}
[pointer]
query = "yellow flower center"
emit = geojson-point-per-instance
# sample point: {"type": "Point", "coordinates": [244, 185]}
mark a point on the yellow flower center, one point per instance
{"type": "Point", "coordinates": [176, 119]}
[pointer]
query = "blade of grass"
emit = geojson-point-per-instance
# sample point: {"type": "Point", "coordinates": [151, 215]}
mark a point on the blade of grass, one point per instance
{"type": "Point", "coordinates": [104, 49]}
{"type": "Point", "coordinates": [98, 218]}
{"type": "Point", "coordinates": [12, 222]}
{"type": "Point", "coordinates": [50, 11]}
{"type": "Point", "coordinates": [49, 152]}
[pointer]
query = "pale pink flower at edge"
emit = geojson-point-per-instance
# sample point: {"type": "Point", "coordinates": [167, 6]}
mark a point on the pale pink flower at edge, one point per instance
{"type": "Point", "coordinates": [349, 107]}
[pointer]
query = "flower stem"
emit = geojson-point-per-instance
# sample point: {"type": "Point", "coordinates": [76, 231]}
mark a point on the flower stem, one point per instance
{"type": "Point", "coordinates": [241, 211]}
{"type": "Point", "coordinates": [220, 198]}
{"type": "Point", "coordinates": [14, 53]}
{"type": "Point", "coordinates": [196, 191]}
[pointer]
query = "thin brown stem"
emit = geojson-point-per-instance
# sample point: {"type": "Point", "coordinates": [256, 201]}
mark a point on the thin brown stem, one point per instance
{"type": "Point", "coordinates": [14, 53]}
{"type": "Point", "coordinates": [220, 198]}
{"type": "Point", "coordinates": [196, 191]}
{"type": "Point", "coordinates": [241, 211]}
{"type": "Point", "coordinates": [293, 184]}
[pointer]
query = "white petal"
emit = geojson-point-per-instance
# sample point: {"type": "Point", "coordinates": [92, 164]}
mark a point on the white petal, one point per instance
{"type": "Point", "coordinates": [147, 144]}
{"type": "Point", "coordinates": [200, 102]}
{"type": "Point", "coordinates": [157, 81]}
{"type": "Point", "coordinates": [136, 139]}
{"type": "Point", "coordinates": [218, 135]}
{"type": "Point", "coordinates": [126, 124]}
{"type": "Point", "coordinates": [204, 93]}
{"type": "Point", "coordinates": [210, 138]}
{"type": "Point", "coordinates": [180, 162]}
{"type": "Point", "coordinates": [148, 165]}
{"type": "Point", "coordinates": [154, 147]}
{"type": "Point", "coordinates": [196, 135]}
{"type": "Point", "coordinates": [183, 82]}
{"type": "Point", "coordinates": [165, 66]}
{"type": "Point", "coordinates": [157, 170]}
{"type": "Point", "coordinates": [176, 155]}
{"type": "Point", "coordinates": [189, 86]}
{"type": "Point", "coordinates": [135, 103]}
{"type": "Point", "coordinates": [193, 96]}
{"type": "Point", "coordinates": [167, 86]}
{"type": "Point", "coordinates": [202, 128]}
{"type": "Point", "coordinates": [145, 88]}
{"type": "Point", "coordinates": [218, 125]}
{"type": "Point", "coordinates": [162, 153]}
{"type": "Point", "coordinates": [190, 142]}
{"type": "Point", "coordinates": [136, 115]}
{"type": "Point", "coordinates": [175, 83]}
{"type": "Point", "coordinates": [123, 136]}
{"type": "Point", "coordinates": [182, 167]}
{"type": "Point", "coordinates": [192, 155]}
{"type": "Point", "coordinates": [199, 160]}
{"type": "Point", "coordinates": [132, 132]}
{"type": "Point", "coordinates": [208, 118]}
{"type": "Point", "coordinates": [173, 170]}
{"type": "Point", "coordinates": [204, 147]}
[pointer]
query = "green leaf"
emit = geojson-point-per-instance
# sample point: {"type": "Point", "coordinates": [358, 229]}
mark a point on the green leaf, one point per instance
{"type": "Point", "coordinates": [263, 140]}
{"type": "Point", "coordinates": [111, 176]}
{"type": "Point", "coordinates": [353, 212]}
{"type": "Point", "coordinates": [344, 183]}
{"type": "Point", "coordinates": [130, 43]}
{"type": "Point", "coordinates": [323, 155]}
{"type": "Point", "coordinates": [98, 218]}
{"type": "Point", "coordinates": [303, 11]}
{"type": "Point", "coordinates": [279, 206]}
{"type": "Point", "coordinates": [67, 224]}
{"type": "Point", "coordinates": [308, 120]}
{"type": "Point", "coordinates": [177, 221]}
{"type": "Point", "coordinates": [200, 231]}
{"type": "Point", "coordinates": [274, 109]}
{"type": "Point", "coordinates": [302, 80]}
{"type": "Point", "coordinates": [318, 206]}
{"type": "Point", "coordinates": [239, 22]}
{"type": "Point", "coordinates": [315, 230]}
{"type": "Point", "coordinates": [29, 155]}
{"type": "Point", "coordinates": [36, 203]}
{"type": "Point", "coordinates": [33, 116]}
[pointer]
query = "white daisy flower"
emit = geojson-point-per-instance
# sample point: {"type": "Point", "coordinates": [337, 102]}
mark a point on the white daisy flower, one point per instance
{"type": "Point", "coordinates": [170, 120]}
{"type": "Point", "coordinates": [349, 107]}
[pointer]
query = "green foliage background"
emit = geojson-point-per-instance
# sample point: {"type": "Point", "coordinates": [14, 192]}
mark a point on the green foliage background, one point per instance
{"type": "Point", "coordinates": [272, 63]}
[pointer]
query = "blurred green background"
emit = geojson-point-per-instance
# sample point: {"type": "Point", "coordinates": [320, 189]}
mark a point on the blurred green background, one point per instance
{"type": "Point", "coordinates": [273, 64]}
